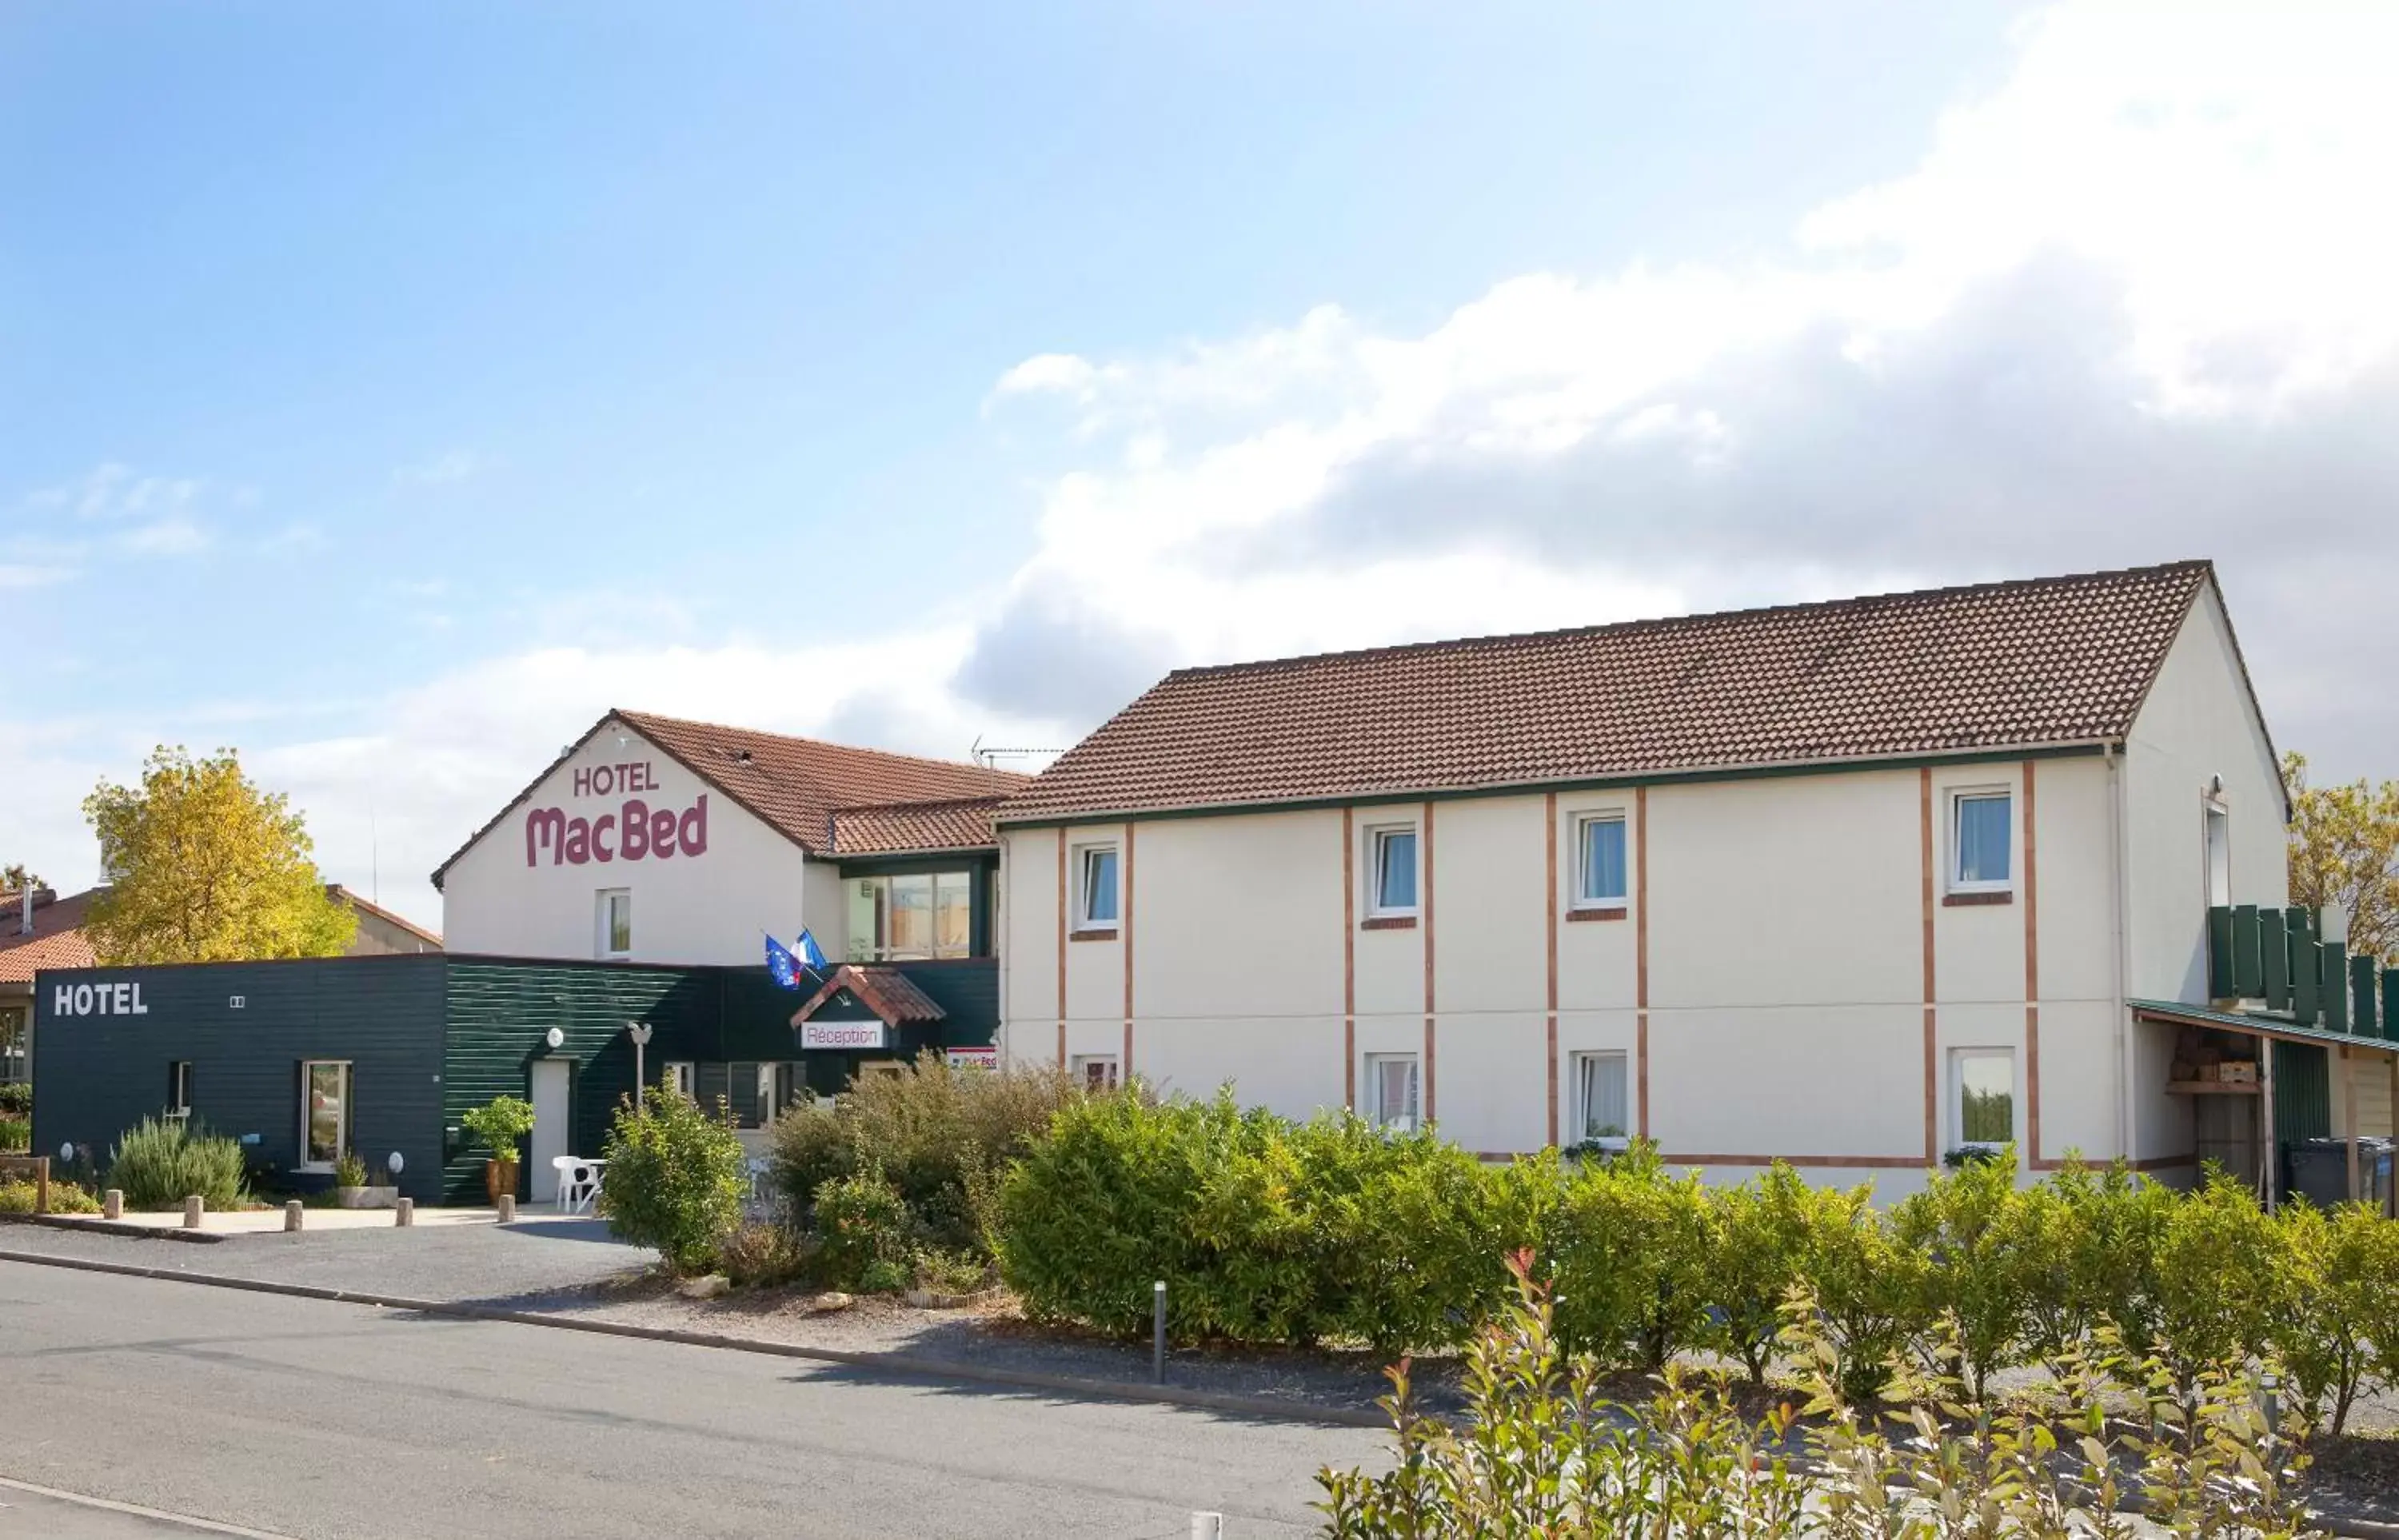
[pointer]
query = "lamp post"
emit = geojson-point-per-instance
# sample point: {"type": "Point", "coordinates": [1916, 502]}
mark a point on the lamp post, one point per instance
{"type": "Point", "coordinates": [640, 1032]}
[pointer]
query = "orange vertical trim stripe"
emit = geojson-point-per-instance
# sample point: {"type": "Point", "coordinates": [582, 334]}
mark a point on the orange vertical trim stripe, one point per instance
{"type": "Point", "coordinates": [1931, 1035]}
{"type": "Point", "coordinates": [1348, 963]}
{"type": "Point", "coordinates": [1641, 954]}
{"type": "Point", "coordinates": [2032, 963]}
{"type": "Point", "coordinates": [1550, 829]}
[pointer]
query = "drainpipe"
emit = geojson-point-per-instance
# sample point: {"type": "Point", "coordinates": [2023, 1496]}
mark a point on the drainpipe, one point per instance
{"type": "Point", "coordinates": [2119, 898]}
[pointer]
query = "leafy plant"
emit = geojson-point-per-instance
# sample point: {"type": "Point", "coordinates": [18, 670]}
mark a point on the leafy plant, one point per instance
{"type": "Point", "coordinates": [865, 1234]}
{"type": "Point", "coordinates": [1868, 1285]}
{"type": "Point", "coordinates": [159, 1162]}
{"type": "Point", "coordinates": [16, 1135]}
{"type": "Point", "coordinates": [16, 1098]}
{"type": "Point", "coordinates": [755, 1255]}
{"type": "Point", "coordinates": [2339, 1277]}
{"type": "Point", "coordinates": [675, 1178]}
{"type": "Point", "coordinates": [1632, 1254]}
{"type": "Point", "coordinates": [19, 1198]}
{"type": "Point", "coordinates": [1756, 1245]}
{"type": "Point", "coordinates": [498, 1124]}
{"type": "Point", "coordinates": [349, 1171]}
{"type": "Point", "coordinates": [1968, 1227]}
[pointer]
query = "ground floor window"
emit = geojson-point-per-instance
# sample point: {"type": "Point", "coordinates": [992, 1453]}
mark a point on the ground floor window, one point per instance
{"type": "Point", "coordinates": [325, 1114]}
{"type": "Point", "coordinates": [679, 1074]}
{"type": "Point", "coordinates": [1391, 1090]}
{"type": "Point", "coordinates": [1984, 1092]}
{"type": "Point", "coordinates": [1599, 1100]}
{"type": "Point", "coordinates": [179, 1088]}
{"type": "Point", "coordinates": [1095, 1071]}
{"type": "Point", "coordinates": [15, 1062]}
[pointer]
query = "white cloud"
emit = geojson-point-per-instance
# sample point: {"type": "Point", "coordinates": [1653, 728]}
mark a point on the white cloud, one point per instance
{"type": "Point", "coordinates": [18, 574]}
{"type": "Point", "coordinates": [170, 536]}
{"type": "Point", "coordinates": [443, 469]}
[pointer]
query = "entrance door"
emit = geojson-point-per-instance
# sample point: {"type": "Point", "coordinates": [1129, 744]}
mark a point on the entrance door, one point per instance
{"type": "Point", "coordinates": [552, 1136]}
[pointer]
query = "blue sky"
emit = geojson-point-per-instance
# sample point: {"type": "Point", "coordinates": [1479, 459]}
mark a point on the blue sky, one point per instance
{"type": "Point", "coordinates": [387, 390]}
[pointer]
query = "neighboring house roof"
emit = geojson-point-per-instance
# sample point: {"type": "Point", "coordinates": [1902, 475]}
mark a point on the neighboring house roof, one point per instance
{"type": "Point", "coordinates": [2048, 661]}
{"type": "Point", "coordinates": [885, 991]}
{"type": "Point", "coordinates": [344, 895]}
{"type": "Point", "coordinates": [56, 941]}
{"type": "Point", "coordinates": [896, 829]}
{"type": "Point", "coordinates": [794, 785]}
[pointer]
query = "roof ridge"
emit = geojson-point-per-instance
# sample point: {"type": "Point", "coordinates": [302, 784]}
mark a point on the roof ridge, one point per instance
{"type": "Point", "coordinates": [639, 717]}
{"type": "Point", "coordinates": [2194, 566]}
{"type": "Point", "coordinates": [921, 802]}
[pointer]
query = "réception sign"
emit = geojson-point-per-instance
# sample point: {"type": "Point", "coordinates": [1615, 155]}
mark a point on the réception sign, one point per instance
{"type": "Point", "coordinates": [843, 1035]}
{"type": "Point", "coordinates": [634, 832]}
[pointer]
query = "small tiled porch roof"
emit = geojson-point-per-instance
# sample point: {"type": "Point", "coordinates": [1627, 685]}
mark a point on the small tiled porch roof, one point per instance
{"type": "Point", "coordinates": [885, 991]}
{"type": "Point", "coordinates": [2255, 1024]}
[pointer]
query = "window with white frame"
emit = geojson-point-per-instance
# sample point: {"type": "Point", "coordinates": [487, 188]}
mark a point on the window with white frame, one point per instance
{"type": "Point", "coordinates": [1599, 861]}
{"type": "Point", "coordinates": [911, 915]}
{"type": "Point", "coordinates": [179, 1088]}
{"type": "Point", "coordinates": [681, 1074]}
{"type": "Point", "coordinates": [324, 1113]}
{"type": "Point", "coordinates": [613, 922]}
{"type": "Point", "coordinates": [1599, 1100]}
{"type": "Point", "coordinates": [1391, 1091]}
{"type": "Point", "coordinates": [1391, 871]}
{"type": "Point", "coordinates": [1981, 842]}
{"type": "Point", "coordinates": [1095, 1071]}
{"type": "Point", "coordinates": [1982, 1097]}
{"type": "Point", "coordinates": [1096, 899]}
{"type": "Point", "coordinates": [2220, 854]}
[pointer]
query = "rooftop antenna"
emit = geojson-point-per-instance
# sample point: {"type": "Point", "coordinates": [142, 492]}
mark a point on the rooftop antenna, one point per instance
{"type": "Point", "coordinates": [985, 757]}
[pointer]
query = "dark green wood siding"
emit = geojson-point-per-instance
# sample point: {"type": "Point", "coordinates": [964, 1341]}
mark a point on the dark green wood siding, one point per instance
{"type": "Point", "coordinates": [100, 1074]}
{"type": "Point", "coordinates": [2302, 1093]}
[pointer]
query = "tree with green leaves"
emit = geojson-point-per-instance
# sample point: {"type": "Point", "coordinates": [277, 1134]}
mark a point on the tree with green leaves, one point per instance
{"type": "Point", "coordinates": [204, 867]}
{"type": "Point", "coordinates": [15, 878]}
{"type": "Point", "coordinates": [2345, 851]}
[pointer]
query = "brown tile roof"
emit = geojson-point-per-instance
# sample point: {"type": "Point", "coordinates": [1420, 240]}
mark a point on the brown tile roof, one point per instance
{"type": "Point", "coordinates": [885, 991]}
{"type": "Point", "coordinates": [794, 784]}
{"type": "Point", "coordinates": [1998, 665]}
{"type": "Point", "coordinates": [367, 907]}
{"type": "Point", "coordinates": [56, 941]}
{"type": "Point", "coordinates": [899, 828]}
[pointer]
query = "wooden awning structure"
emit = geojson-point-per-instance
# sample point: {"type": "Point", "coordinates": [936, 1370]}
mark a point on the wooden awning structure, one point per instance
{"type": "Point", "coordinates": [886, 991]}
{"type": "Point", "coordinates": [2258, 1024]}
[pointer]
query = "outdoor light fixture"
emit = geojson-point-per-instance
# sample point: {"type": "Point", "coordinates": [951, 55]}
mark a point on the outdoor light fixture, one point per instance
{"type": "Point", "coordinates": [640, 1032]}
{"type": "Point", "coordinates": [393, 1163]}
{"type": "Point", "coordinates": [555, 1037]}
{"type": "Point", "coordinates": [66, 1151]}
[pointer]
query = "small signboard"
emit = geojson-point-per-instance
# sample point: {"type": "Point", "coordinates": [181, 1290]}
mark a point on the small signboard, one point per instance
{"type": "Point", "coordinates": [844, 1036]}
{"type": "Point", "coordinates": [973, 1059]}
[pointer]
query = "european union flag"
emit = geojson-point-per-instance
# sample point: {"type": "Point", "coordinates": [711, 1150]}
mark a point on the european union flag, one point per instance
{"type": "Point", "coordinates": [812, 955]}
{"type": "Point", "coordinates": [782, 965]}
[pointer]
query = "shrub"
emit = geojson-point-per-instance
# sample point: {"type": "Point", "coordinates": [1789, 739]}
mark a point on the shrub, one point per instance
{"type": "Point", "coordinates": [1757, 1241]}
{"type": "Point", "coordinates": [2217, 1285]}
{"type": "Point", "coordinates": [160, 1162]}
{"type": "Point", "coordinates": [16, 1099]}
{"type": "Point", "coordinates": [754, 1255]}
{"type": "Point", "coordinates": [1869, 1288]}
{"type": "Point", "coordinates": [1968, 1228]}
{"type": "Point", "coordinates": [2339, 1274]}
{"type": "Point", "coordinates": [1631, 1252]}
{"type": "Point", "coordinates": [938, 1134]}
{"type": "Point", "coordinates": [19, 1198]}
{"type": "Point", "coordinates": [498, 1124]}
{"type": "Point", "coordinates": [16, 1135]}
{"type": "Point", "coordinates": [349, 1171]}
{"type": "Point", "coordinates": [675, 1178]}
{"type": "Point", "coordinates": [866, 1234]}
{"type": "Point", "coordinates": [2099, 1234]}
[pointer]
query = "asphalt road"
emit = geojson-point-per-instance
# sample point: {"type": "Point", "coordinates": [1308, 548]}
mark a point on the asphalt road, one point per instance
{"type": "Point", "coordinates": [308, 1419]}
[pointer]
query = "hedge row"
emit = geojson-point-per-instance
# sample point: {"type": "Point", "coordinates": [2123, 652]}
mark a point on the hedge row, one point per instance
{"type": "Point", "coordinates": [1272, 1232]}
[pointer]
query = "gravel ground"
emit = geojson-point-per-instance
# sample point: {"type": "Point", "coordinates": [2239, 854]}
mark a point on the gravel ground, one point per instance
{"type": "Point", "coordinates": [574, 1268]}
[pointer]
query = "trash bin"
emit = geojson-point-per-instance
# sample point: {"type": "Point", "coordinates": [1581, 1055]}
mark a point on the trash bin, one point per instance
{"type": "Point", "coordinates": [2317, 1169]}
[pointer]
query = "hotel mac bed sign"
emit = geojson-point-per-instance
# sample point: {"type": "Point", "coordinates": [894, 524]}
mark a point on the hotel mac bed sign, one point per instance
{"type": "Point", "coordinates": [634, 832]}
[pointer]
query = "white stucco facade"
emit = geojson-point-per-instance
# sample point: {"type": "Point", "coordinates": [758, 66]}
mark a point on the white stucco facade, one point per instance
{"type": "Point", "coordinates": [1793, 973]}
{"type": "Point", "coordinates": [519, 890]}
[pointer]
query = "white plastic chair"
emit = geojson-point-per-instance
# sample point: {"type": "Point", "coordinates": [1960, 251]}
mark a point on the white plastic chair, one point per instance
{"type": "Point", "coordinates": [578, 1181]}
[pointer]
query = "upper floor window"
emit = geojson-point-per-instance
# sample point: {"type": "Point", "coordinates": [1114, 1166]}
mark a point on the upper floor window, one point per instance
{"type": "Point", "coordinates": [1391, 870]}
{"type": "Point", "coordinates": [2220, 854]}
{"type": "Point", "coordinates": [1097, 902]}
{"type": "Point", "coordinates": [912, 916]}
{"type": "Point", "coordinates": [1980, 842]}
{"type": "Point", "coordinates": [1599, 862]}
{"type": "Point", "coordinates": [616, 923]}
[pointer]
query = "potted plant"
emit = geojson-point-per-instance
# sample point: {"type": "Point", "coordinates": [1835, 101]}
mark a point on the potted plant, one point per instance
{"type": "Point", "coordinates": [353, 1188]}
{"type": "Point", "coordinates": [499, 1123]}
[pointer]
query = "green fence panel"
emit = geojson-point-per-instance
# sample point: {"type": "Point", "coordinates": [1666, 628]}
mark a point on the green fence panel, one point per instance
{"type": "Point", "coordinates": [2219, 952]}
{"type": "Point", "coordinates": [2361, 995]}
{"type": "Point", "coordinates": [2336, 986]}
{"type": "Point", "coordinates": [2249, 968]}
{"type": "Point", "coordinates": [2276, 947]}
{"type": "Point", "coordinates": [2307, 964]}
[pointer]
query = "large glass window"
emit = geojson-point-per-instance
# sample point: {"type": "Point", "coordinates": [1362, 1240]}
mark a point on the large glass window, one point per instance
{"type": "Point", "coordinates": [1394, 869]}
{"type": "Point", "coordinates": [1985, 1089]}
{"type": "Point", "coordinates": [16, 1063]}
{"type": "Point", "coordinates": [1981, 842]}
{"type": "Point", "coordinates": [1599, 879]}
{"type": "Point", "coordinates": [325, 1114]}
{"type": "Point", "coordinates": [913, 915]}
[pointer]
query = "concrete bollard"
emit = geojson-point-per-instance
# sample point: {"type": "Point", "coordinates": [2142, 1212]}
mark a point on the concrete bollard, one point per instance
{"type": "Point", "coordinates": [508, 1208]}
{"type": "Point", "coordinates": [405, 1211]}
{"type": "Point", "coordinates": [112, 1203]}
{"type": "Point", "coordinates": [194, 1207]}
{"type": "Point", "coordinates": [291, 1214]}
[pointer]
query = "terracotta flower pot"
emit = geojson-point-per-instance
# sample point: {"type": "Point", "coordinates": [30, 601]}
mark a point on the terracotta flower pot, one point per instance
{"type": "Point", "coordinates": [499, 1176]}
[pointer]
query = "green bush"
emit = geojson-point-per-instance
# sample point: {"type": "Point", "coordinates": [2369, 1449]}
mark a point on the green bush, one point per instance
{"type": "Point", "coordinates": [2340, 1276]}
{"type": "Point", "coordinates": [675, 1178]}
{"type": "Point", "coordinates": [1756, 1252]}
{"type": "Point", "coordinates": [1869, 1286]}
{"type": "Point", "coordinates": [16, 1135]}
{"type": "Point", "coordinates": [938, 1134]}
{"type": "Point", "coordinates": [1974, 1233]}
{"type": "Point", "coordinates": [16, 1099]}
{"type": "Point", "coordinates": [752, 1255]}
{"type": "Point", "coordinates": [349, 1171]}
{"type": "Point", "coordinates": [498, 1124]}
{"type": "Point", "coordinates": [866, 1234]}
{"type": "Point", "coordinates": [1632, 1253]}
{"type": "Point", "coordinates": [18, 1197]}
{"type": "Point", "coordinates": [160, 1162]}
{"type": "Point", "coordinates": [2218, 1284]}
